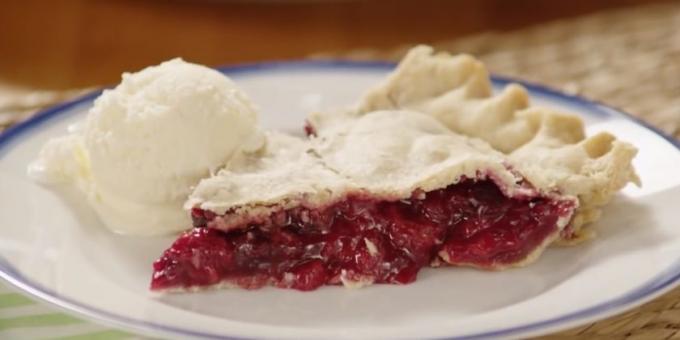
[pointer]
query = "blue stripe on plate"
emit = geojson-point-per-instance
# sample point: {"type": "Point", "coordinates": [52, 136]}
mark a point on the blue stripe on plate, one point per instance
{"type": "Point", "coordinates": [654, 287]}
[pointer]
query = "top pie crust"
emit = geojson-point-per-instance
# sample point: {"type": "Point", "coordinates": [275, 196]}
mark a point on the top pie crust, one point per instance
{"type": "Point", "coordinates": [432, 122]}
{"type": "Point", "coordinates": [385, 154]}
{"type": "Point", "coordinates": [548, 148]}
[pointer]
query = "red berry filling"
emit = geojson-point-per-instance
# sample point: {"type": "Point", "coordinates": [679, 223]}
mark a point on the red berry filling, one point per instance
{"type": "Point", "coordinates": [310, 131]}
{"type": "Point", "coordinates": [364, 240]}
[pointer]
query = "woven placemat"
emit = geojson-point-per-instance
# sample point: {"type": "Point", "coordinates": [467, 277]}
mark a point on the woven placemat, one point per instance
{"type": "Point", "coordinates": [19, 103]}
{"type": "Point", "coordinates": [628, 58]}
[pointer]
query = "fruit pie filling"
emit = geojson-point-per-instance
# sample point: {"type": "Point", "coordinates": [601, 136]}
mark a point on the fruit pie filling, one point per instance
{"type": "Point", "coordinates": [359, 240]}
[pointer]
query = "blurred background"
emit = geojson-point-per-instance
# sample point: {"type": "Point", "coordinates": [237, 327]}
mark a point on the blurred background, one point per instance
{"type": "Point", "coordinates": [77, 43]}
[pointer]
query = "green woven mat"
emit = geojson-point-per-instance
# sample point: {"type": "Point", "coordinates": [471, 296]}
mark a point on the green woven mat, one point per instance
{"type": "Point", "coordinates": [23, 318]}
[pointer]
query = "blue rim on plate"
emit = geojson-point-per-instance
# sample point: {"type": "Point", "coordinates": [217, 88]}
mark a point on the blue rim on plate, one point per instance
{"type": "Point", "coordinates": [647, 291]}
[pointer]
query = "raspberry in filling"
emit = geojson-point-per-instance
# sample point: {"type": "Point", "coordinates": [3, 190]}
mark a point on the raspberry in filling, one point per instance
{"type": "Point", "coordinates": [360, 240]}
{"type": "Point", "coordinates": [309, 129]}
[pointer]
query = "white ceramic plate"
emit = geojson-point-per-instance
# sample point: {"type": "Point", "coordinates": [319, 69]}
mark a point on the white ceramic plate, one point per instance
{"type": "Point", "coordinates": [53, 247]}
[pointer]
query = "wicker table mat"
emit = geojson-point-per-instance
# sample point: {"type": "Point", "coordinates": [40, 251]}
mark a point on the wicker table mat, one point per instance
{"type": "Point", "coordinates": [627, 58]}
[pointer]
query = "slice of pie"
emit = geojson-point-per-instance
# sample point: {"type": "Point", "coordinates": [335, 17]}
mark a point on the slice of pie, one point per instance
{"type": "Point", "coordinates": [428, 170]}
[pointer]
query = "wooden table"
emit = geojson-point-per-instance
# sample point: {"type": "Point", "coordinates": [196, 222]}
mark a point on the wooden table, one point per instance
{"type": "Point", "coordinates": [76, 43]}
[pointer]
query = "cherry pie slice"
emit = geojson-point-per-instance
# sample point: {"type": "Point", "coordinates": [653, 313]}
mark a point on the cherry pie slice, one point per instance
{"type": "Point", "coordinates": [397, 184]}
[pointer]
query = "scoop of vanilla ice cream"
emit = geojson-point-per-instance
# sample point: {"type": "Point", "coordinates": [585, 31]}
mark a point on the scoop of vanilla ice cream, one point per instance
{"type": "Point", "coordinates": [145, 143]}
